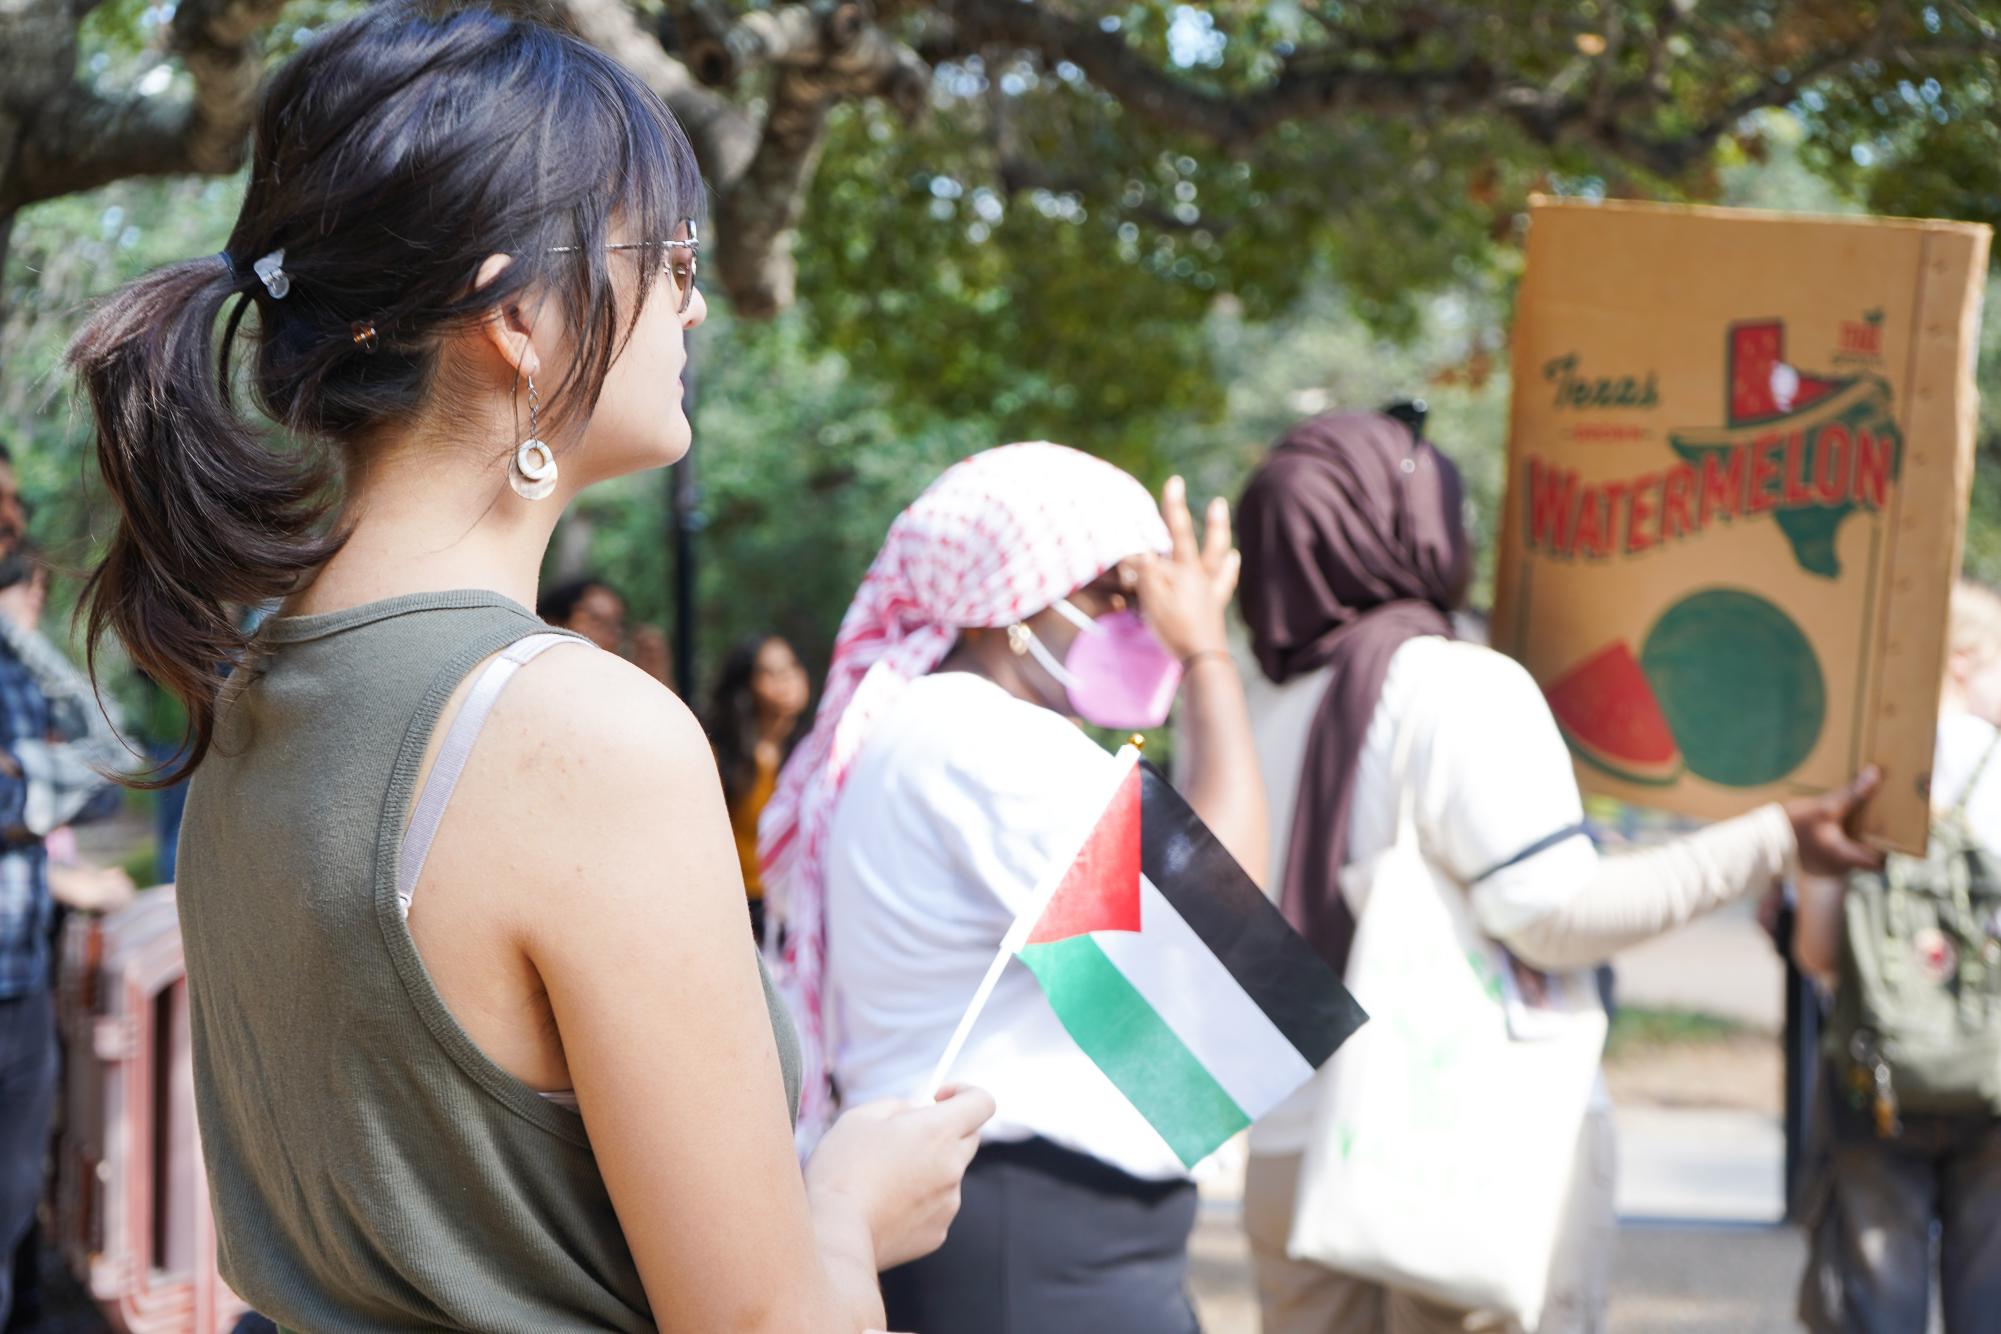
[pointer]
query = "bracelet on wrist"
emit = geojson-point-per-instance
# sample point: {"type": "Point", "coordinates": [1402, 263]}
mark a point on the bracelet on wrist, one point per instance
{"type": "Point", "coordinates": [1188, 663]}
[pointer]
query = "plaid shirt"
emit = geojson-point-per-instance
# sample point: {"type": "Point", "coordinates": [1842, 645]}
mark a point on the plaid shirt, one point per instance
{"type": "Point", "coordinates": [27, 913]}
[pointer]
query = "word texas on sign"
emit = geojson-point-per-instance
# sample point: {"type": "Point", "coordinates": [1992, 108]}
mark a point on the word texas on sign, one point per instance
{"type": "Point", "coordinates": [1738, 467]}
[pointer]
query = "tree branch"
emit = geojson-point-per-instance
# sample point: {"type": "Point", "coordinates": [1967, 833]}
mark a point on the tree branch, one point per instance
{"type": "Point", "coordinates": [1672, 155]}
{"type": "Point", "coordinates": [724, 138]}
{"type": "Point", "coordinates": [763, 206]}
{"type": "Point", "coordinates": [1322, 84]}
{"type": "Point", "coordinates": [79, 139]}
{"type": "Point", "coordinates": [1305, 88]}
{"type": "Point", "coordinates": [758, 172]}
{"type": "Point", "coordinates": [817, 57]}
{"type": "Point", "coordinates": [841, 47]}
{"type": "Point", "coordinates": [713, 46]}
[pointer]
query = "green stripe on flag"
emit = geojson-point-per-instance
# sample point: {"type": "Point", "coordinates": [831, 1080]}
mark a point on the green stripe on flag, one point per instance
{"type": "Point", "coordinates": [1127, 1039]}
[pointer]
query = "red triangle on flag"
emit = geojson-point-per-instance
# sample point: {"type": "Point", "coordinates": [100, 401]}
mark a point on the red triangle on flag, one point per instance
{"type": "Point", "coordinates": [1100, 892]}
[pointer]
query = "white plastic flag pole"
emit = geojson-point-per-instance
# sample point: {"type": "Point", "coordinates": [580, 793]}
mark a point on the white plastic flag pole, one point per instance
{"type": "Point", "coordinates": [1024, 923]}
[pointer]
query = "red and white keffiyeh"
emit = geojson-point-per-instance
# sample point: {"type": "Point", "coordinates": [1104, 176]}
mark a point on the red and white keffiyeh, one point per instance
{"type": "Point", "coordinates": [997, 538]}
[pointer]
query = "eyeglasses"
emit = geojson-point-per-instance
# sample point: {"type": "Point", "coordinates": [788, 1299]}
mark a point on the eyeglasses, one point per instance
{"type": "Point", "coordinates": [680, 264]}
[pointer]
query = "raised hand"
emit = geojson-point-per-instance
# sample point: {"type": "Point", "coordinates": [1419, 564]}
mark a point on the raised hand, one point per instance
{"type": "Point", "coordinates": [1184, 594]}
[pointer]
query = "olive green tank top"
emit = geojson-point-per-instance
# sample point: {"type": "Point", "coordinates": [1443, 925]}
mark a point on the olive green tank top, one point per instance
{"type": "Point", "coordinates": [370, 1168]}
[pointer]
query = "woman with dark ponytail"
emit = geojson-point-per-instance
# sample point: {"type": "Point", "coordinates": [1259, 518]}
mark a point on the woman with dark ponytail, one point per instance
{"type": "Point", "coordinates": [459, 289]}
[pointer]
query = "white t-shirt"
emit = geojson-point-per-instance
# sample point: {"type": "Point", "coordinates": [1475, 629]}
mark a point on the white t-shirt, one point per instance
{"type": "Point", "coordinates": [961, 801]}
{"type": "Point", "coordinates": [1503, 783]}
{"type": "Point", "coordinates": [1962, 740]}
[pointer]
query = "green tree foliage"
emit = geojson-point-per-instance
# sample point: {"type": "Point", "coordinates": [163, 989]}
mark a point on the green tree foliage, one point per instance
{"type": "Point", "coordinates": [1060, 237]}
{"type": "Point", "coordinates": [66, 252]}
{"type": "Point", "coordinates": [1157, 231]}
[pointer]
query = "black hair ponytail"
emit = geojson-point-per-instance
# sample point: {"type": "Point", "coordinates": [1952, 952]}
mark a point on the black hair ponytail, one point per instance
{"type": "Point", "coordinates": [212, 519]}
{"type": "Point", "coordinates": [393, 155]}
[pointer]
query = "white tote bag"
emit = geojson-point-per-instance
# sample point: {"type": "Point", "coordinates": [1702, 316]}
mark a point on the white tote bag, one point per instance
{"type": "Point", "coordinates": [1442, 1149]}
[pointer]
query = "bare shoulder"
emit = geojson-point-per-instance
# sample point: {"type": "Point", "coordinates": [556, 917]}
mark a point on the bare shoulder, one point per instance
{"type": "Point", "coordinates": [587, 718]}
{"type": "Point", "coordinates": [592, 778]}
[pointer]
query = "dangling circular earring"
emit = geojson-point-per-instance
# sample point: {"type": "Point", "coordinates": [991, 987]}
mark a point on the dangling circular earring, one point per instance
{"type": "Point", "coordinates": [1017, 639]}
{"type": "Point", "coordinates": [533, 474]}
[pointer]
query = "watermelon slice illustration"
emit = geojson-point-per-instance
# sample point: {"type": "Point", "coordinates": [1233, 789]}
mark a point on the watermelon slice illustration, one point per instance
{"type": "Point", "coordinates": [1612, 721]}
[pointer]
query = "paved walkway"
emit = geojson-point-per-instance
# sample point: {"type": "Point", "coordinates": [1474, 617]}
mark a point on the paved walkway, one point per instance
{"type": "Point", "coordinates": [1667, 1279]}
{"type": "Point", "coordinates": [1700, 1165]}
{"type": "Point", "coordinates": [1722, 964]}
{"type": "Point", "coordinates": [1700, 1250]}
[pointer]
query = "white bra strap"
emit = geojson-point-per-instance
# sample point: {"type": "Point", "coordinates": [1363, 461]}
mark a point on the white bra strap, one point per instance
{"type": "Point", "coordinates": [455, 750]}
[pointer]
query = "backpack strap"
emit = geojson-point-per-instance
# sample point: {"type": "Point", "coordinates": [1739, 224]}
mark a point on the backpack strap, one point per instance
{"type": "Point", "coordinates": [456, 748]}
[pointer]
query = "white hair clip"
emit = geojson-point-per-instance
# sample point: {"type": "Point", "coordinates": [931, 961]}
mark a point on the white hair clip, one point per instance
{"type": "Point", "coordinates": [270, 270]}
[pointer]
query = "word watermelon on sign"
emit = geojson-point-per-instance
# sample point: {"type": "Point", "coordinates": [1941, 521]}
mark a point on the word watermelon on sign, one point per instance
{"type": "Point", "coordinates": [1811, 449]}
{"type": "Point", "coordinates": [1808, 450]}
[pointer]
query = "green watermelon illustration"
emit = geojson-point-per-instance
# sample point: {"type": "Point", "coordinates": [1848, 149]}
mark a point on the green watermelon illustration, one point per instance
{"type": "Point", "coordinates": [1612, 721]}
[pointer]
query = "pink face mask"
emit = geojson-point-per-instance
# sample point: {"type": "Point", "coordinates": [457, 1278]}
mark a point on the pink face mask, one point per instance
{"type": "Point", "coordinates": [1116, 673]}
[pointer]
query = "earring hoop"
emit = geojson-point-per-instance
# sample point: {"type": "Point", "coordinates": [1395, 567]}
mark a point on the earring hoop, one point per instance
{"type": "Point", "coordinates": [532, 473]}
{"type": "Point", "coordinates": [1017, 639]}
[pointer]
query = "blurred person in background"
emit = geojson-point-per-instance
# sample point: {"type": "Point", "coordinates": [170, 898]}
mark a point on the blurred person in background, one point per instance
{"type": "Point", "coordinates": [24, 587]}
{"type": "Point", "coordinates": [74, 884]}
{"type": "Point", "coordinates": [67, 772]}
{"type": "Point", "coordinates": [51, 742]}
{"type": "Point", "coordinates": [1888, 1174]}
{"type": "Point", "coordinates": [100, 747]}
{"type": "Point", "coordinates": [594, 609]}
{"type": "Point", "coordinates": [1028, 587]}
{"type": "Point", "coordinates": [761, 694]}
{"type": "Point", "coordinates": [1355, 558]}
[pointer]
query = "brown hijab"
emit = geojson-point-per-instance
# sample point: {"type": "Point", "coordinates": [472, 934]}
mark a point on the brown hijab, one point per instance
{"type": "Point", "coordinates": [1353, 542]}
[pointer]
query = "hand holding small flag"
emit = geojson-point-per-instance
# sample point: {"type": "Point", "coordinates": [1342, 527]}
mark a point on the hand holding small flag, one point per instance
{"type": "Point", "coordinates": [900, 1163]}
{"type": "Point", "coordinates": [1173, 972]}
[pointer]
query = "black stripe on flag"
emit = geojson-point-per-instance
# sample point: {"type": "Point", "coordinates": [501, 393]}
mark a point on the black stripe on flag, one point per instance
{"type": "Point", "coordinates": [1274, 965]}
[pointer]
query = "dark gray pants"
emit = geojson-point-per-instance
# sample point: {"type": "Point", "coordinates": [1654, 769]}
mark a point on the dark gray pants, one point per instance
{"type": "Point", "coordinates": [1871, 1262]}
{"type": "Point", "coordinates": [1053, 1242]}
{"type": "Point", "coordinates": [27, 1096]}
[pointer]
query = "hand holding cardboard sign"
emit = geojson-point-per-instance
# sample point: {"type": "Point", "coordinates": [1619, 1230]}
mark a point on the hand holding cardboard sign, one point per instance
{"type": "Point", "coordinates": [1736, 504]}
{"type": "Point", "coordinates": [1821, 827]}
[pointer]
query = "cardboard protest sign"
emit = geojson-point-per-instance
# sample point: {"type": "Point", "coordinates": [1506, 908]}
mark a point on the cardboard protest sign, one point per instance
{"type": "Point", "coordinates": [1739, 458]}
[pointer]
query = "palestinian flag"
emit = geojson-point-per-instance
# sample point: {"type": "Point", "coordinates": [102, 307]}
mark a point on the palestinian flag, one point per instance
{"type": "Point", "coordinates": [1177, 976]}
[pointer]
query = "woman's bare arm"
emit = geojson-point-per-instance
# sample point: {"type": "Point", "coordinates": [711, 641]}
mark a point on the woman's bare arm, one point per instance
{"type": "Point", "coordinates": [595, 806]}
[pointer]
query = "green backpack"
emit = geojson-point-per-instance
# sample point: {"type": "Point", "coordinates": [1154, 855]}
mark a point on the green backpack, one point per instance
{"type": "Point", "coordinates": [1916, 1028]}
